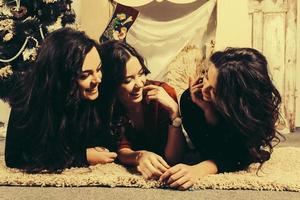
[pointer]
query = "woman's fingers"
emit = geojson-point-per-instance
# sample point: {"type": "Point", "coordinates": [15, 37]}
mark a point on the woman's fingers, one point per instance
{"type": "Point", "coordinates": [151, 87]}
{"type": "Point", "coordinates": [107, 157]}
{"type": "Point", "coordinates": [153, 170]}
{"type": "Point", "coordinates": [157, 93]}
{"type": "Point", "coordinates": [105, 152]}
{"type": "Point", "coordinates": [159, 166]}
{"type": "Point", "coordinates": [100, 149]}
{"type": "Point", "coordinates": [196, 89]}
{"type": "Point", "coordinates": [110, 154]}
{"type": "Point", "coordinates": [163, 162]}
{"type": "Point", "coordinates": [179, 177]}
{"type": "Point", "coordinates": [167, 174]}
{"type": "Point", "coordinates": [110, 160]}
{"type": "Point", "coordinates": [194, 81]}
{"type": "Point", "coordinates": [186, 185]}
{"type": "Point", "coordinates": [149, 171]}
{"type": "Point", "coordinates": [99, 156]}
{"type": "Point", "coordinates": [145, 172]}
{"type": "Point", "coordinates": [151, 92]}
{"type": "Point", "coordinates": [179, 182]}
{"type": "Point", "coordinates": [153, 164]}
{"type": "Point", "coordinates": [174, 177]}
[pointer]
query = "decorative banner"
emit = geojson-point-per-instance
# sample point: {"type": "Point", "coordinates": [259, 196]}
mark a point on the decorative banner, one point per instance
{"type": "Point", "coordinates": [136, 3]}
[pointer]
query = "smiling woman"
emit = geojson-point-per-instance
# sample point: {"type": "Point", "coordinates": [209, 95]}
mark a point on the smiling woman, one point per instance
{"type": "Point", "coordinates": [142, 114]}
{"type": "Point", "coordinates": [230, 117]}
{"type": "Point", "coordinates": [91, 75]}
{"type": "Point", "coordinates": [55, 121]}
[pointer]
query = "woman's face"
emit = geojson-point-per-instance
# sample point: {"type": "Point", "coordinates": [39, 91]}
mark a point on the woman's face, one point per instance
{"type": "Point", "coordinates": [210, 83]}
{"type": "Point", "coordinates": [91, 75]}
{"type": "Point", "coordinates": [131, 90]}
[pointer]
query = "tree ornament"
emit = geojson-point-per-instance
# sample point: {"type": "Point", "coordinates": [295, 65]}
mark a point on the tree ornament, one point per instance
{"type": "Point", "coordinates": [18, 11]}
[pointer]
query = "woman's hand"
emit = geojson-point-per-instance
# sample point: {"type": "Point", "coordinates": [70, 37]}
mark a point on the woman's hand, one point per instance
{"type": "Point", "coordinates": [99, 155]}
{"type": "Point", "coordinates": [195, 87]}
{"type": "Point", "coordinates": [151, 165]}
{"type": "Point", "coordinates": [182, 176]}
{"type": "Point", "coordinates": [157, 93]}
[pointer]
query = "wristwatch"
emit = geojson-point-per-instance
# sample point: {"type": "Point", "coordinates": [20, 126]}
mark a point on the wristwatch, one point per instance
{"type": "Point", "coordinates": [176, 122]}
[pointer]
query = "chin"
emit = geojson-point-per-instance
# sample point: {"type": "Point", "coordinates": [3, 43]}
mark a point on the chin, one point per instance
{"type": "Point", "coordinates": [206, 99]}
{"type": "Point", "coordinates": [92, 97]}
{"type": "Point", "coordinates": [137, 100]}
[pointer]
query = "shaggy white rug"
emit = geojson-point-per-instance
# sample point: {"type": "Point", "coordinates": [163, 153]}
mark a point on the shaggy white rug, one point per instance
{"type": "Point", "coordinates": [280, 173]}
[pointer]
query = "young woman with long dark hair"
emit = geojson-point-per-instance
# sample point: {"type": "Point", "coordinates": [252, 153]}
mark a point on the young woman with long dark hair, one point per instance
{"type": "Point", "coordinates": [230, 117]}
{"type": "Point", "coordinates": [55, 120]}
{"type": "Point", "coordinates": [142, 113]}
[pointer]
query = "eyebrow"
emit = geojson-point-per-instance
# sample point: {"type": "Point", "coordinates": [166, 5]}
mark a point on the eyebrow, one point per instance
{"type": "Point", "coordinates": [89, 70]}
{"type": "Point", "coordinates": [141, 70]}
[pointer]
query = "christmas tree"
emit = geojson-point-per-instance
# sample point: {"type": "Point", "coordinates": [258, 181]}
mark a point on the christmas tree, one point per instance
{"type": "Point", "coordinates": [23, 26]}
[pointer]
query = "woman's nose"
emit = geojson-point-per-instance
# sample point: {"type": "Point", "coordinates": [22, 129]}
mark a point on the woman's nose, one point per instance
{"type": "Point", "coordinates": [139, 83]}
{"type": "Point", "coordinates": [97, 78]}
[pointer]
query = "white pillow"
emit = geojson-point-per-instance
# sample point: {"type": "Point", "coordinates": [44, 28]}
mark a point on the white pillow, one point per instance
{"type": "Point", "coordinates": [188, 63]}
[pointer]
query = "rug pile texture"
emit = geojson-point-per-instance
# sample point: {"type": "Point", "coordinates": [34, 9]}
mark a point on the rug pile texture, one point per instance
{"type": "Point", "coordinates": [280, 173]}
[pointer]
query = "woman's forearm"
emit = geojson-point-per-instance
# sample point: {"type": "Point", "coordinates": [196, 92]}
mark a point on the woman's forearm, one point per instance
{"type": "Point", "coordinates": [204, 168]}
{"type": "Point", "coordinates": [176, 142]}
{"type": "Point", "coordinates": [175, 145]}
{"type": "Point", "coordinates": [128, 157]}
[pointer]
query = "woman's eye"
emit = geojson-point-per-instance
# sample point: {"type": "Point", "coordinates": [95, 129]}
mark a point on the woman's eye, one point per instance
{"type": "Point", "coordinates": [141, 73]}
{"type": "Point", "coordinates": [128, 80]}
{"type": "Point", "coordinates": [83, 76]}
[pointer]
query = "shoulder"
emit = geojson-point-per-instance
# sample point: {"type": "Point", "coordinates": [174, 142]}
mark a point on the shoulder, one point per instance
{"type": "Point", "coordinates": [189, 110]}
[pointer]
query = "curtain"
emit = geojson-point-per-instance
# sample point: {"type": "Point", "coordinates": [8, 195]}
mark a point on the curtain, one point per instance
{"type": "Point", "coordinates": [159, 38]}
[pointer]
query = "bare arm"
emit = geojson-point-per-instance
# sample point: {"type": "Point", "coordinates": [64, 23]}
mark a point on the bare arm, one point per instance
{"type": "Point", "coordinates": [176, 142]}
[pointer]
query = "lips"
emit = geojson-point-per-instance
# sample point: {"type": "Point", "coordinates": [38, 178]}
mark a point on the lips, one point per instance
{"type": "Point", "coordinates": [92, 90]}
{"type": "Point", "coordinates": [136, 95]}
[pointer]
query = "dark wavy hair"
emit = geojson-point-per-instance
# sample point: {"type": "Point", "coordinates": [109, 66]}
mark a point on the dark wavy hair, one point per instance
{"type": "Point", "coordinates": [114, 57]}
{"type": "Point", "coordinates": [49, 103]}
{"type": "Point", "coordinates": [247, 98]}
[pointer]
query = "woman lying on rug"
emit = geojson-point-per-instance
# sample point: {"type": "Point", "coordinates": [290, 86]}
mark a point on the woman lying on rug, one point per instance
{"type": "Point", "coordinates": [55, 119]}
{"type": "Point", "coordinates": [144, 114]}
{"type": "Point", "coordinates": [230, 117]}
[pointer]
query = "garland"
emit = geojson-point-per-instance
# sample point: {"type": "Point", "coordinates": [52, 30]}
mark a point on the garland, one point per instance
{"type": "Point", "coordinates": [23, 26]}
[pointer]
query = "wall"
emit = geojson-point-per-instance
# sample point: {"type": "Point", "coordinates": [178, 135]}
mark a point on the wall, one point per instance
{"type": "Point", "coordinates": [274, 33]}
{"type": "Point", "coordinates": [4, 112]}
{"type": "Point", "coordinates": [233, 24]}
{"type": "Point", "coordinates": [298, 67]}
{"type": "Point", "coordinates": [93, 16]}
{"type": "Point", "coordinates": [76, 6]}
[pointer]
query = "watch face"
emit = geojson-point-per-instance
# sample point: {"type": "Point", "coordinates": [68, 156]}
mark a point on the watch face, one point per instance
{"type": "Point", "coordinates": [177, 122]}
